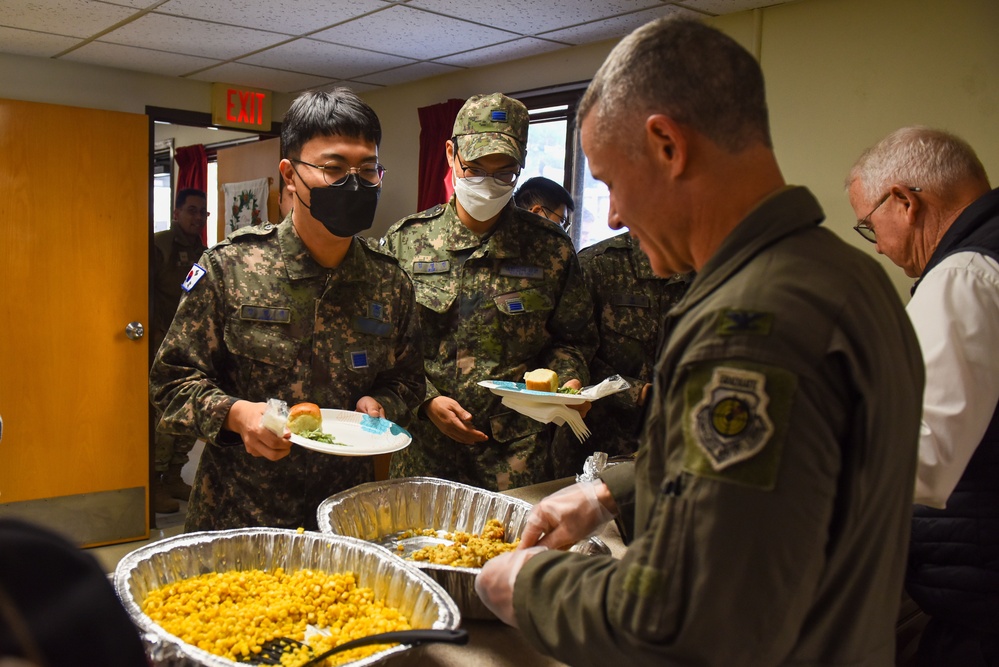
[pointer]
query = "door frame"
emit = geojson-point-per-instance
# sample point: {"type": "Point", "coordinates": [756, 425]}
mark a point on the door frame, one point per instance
{"type": "Point", "coordinates": [192, 119]}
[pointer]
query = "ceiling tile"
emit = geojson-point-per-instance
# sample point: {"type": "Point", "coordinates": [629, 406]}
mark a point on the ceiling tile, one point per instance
{"type": "Point", "coordinates": [356, 86]}
{"type": "Point", "coordinates": [191, 37]}
{"type": "Point", "coordinates": [325, 59]}
{"type": "Point", "coordinates": [413, 33]}
{"type": "Point", "coordinates": [135, 4]}
{"type": "Point", "coordinates": [142, 60]}
{"type": "Point", "coordinates": [73, 18]}
{"type": "Point", "coordinates": [259, 77]}
{"type": "Point", "coordinates": [407, 73]}
{"type": "Point", "coordinates": [523, 16]}
{"type": "Point", "coordinates": [724, 6]}
{"type": "Point", "coordinates": [616, 27]}
{"type": "Point", "coordinates": [31, 43]}
{"type": "Point", "coordinates": [490, 55]}
{"type": "Point", "coordinates": [293, 17]}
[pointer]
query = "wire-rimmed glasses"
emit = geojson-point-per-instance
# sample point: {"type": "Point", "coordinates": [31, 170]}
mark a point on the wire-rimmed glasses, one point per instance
{"type": "Point", "coordinates": [863, 226]}
{"type": "Point", "coordinates": [335, 172]}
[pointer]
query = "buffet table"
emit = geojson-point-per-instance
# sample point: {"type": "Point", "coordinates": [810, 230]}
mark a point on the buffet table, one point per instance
{"type": "Point", "coordinates": [492, 643]}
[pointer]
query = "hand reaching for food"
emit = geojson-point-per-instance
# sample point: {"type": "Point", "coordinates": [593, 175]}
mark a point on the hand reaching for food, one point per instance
{"type": "Point", "coordinates": [246, 419]}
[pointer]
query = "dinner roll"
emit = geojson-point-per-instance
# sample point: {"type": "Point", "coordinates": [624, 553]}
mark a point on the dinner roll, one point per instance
{"type": "Point", "coordinates": [304, 417]}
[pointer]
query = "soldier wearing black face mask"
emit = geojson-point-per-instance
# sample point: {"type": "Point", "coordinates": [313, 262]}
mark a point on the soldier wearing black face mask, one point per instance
{"type": "Point", "coordinates": [302, 311]}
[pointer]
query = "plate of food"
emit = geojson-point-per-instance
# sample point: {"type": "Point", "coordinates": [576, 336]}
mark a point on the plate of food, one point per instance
{"type": "Point", "coordinates": [344, 433]}
{"type": "Point", "coordinates": [539, 385]}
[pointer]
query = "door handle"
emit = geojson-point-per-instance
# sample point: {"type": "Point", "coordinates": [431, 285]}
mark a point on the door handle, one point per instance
{"type": "Point", "coordinates": [135, 330]}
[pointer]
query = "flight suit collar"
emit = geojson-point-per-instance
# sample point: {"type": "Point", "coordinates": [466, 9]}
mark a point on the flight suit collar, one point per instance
{"type": "Point", "coordinates": [787, 211]}
{"type": "Point", "coordinates": [299, 262]}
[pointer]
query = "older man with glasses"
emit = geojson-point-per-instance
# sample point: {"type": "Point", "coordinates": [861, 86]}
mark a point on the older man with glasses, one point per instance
{"type": "Point", "coordinates": [937, 218]}
{"type": "Point", "coordinates": [500, 293]}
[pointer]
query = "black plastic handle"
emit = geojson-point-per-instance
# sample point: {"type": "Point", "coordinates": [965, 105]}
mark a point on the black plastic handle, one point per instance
{"type": "Point", "coordinates": [414, 637]}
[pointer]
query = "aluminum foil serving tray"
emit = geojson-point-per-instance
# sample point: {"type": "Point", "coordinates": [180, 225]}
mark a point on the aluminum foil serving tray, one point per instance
{"type": "Point", "coordinates": [399, 583]}
{"type": "Point", "coordinates": [377, 511]}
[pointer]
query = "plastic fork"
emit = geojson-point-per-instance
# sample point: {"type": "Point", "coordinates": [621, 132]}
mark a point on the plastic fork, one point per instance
{"type": "Point", "coordinates": [575, 421]}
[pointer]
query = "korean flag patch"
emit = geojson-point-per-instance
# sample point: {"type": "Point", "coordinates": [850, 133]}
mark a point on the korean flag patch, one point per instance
{"type": "Point", "coordinates": [193, 276]}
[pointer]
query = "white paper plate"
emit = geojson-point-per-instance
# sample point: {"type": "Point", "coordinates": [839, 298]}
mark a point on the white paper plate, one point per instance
{"type": "Point", "coordinates": [519, 390]}
{"type": "Point", "coordinates": [357, 434]}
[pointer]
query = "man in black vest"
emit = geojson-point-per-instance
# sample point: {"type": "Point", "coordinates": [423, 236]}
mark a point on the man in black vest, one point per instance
{"type": "Point", "coordinates": [928, 207]}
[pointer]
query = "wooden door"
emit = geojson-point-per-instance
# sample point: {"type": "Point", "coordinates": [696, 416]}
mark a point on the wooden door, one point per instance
{"type": "Point", "coordinates": [74, 257]}
{"type": "Point", "coordinates": [248, 162]}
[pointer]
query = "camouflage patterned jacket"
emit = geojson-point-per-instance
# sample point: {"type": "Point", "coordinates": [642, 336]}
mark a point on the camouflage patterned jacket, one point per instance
{"type": "Point", "coordinates": [631, 302]}
{"type": "Point", "coordinates": [491, 308]}
{"type": "Point", "coordinates": [267, 321]}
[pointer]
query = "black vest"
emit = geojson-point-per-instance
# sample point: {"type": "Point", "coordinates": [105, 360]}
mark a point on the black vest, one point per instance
{"type": "Point", "coordinates": [953, 569]}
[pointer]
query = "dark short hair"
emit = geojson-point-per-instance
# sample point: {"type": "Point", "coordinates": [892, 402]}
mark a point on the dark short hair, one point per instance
{"type": "Point", "coordinates": [688, 71]}
{"type": "Point", "coordinates": [544, 192]}
{"type": "Point", "coordinates": [189, 192]}
{"type": "Point", "coordinates": [338, 112]}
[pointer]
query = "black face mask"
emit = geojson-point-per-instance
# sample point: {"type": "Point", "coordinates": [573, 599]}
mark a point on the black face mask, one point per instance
{"type": "Point", "coordinates": [344, 210]}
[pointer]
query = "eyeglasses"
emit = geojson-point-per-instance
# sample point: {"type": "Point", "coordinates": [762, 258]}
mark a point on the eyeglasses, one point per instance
{"type": "Point", "coordinates": [863, 225]}
{"type": "Point", "coordinates": [335, 172]}
{"type": "Point", "coordinates": [198, 212]}
{"type": "Point", "coordinates": [562, 220]}
{"type": "Point", "coordinates": [475, 175]}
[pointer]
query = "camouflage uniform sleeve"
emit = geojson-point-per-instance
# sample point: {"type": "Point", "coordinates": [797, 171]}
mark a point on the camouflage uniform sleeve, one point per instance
{"type": "Point", "coordinates": [183, 379]}
{"type": "Point", "coordinates": [401, 389]}
{"type": "Point", "coordinates": [574, 332]}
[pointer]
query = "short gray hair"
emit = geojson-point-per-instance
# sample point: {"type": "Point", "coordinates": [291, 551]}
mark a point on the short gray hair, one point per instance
{"type": "Point", "coordinates": [916, 156]}
{"type": "Point", "coordinates": [688, 71]}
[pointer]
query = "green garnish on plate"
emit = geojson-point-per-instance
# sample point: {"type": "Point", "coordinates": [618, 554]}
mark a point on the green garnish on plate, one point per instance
{"type": "Point", "coordinates": [320, 436]}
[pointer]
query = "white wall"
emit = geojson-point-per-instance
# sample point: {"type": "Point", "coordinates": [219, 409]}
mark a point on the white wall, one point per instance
{"type": "Point", "coordinates": [840, 75]}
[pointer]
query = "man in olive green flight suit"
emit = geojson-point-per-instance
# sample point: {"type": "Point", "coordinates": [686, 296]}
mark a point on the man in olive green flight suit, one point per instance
{"type": "Point", "coordinates": [500, 294]}
{"type": "Point", "coordinates": [175, 251]}
{"type": "Point", "coordinates": [768, 508]}
{"type": "Point", "coordinates": [300, 311]}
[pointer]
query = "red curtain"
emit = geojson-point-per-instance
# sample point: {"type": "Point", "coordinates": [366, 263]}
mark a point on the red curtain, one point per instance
{"type": "Point", "coordinates": [192, 172]}
{"type": "Point", "coordinates": [436, 124]}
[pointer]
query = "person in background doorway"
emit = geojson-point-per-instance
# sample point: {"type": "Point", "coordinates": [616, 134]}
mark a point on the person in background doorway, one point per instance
{"type": "Point", "coordinates": [768, 509]}
{"type": "Point", "coordinates": [175, 251]}
{"type": "Point", "coordinates": [302, 311]}
{"type": "Point", "coordinates": [927, 204]}
{"type": "Point", "coordinates": [501, 294]}
{"type": "Point", "coordinates": [543, 196]}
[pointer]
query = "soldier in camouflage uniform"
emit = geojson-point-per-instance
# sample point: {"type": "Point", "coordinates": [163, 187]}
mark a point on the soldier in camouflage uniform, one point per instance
{"type": "Point", "coordinates": [300, 311]}
{"type": "Point", "coordinates": [501, 293]}
{"type": "Point", "coordinates": [631, 302]}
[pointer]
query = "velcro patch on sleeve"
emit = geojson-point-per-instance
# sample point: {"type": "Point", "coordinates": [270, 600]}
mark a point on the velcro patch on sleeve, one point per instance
{"type": "Point", "coordinates": [736, 415]}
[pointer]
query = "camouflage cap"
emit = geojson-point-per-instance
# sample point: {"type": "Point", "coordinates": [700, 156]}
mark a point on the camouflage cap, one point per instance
{"type": "Point", "coordinates": [489, 124]}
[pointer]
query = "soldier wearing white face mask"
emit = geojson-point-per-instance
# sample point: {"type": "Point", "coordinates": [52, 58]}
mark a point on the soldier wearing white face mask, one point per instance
{"type": "Point", "coordinates": [500, 293]}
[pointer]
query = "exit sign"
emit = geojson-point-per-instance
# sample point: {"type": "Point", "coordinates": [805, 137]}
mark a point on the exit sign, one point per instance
{"type": "Point", "coordinates": [245, 108]}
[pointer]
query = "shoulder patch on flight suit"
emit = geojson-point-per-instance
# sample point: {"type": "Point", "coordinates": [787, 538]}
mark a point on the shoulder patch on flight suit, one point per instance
{"type": "Point", "coordinates": [731, 321]}
{"type": "Point", "coordinates": [735, 421]}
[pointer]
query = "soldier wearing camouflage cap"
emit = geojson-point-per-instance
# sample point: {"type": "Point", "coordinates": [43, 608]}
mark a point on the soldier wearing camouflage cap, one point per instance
{"type": "Point", "coordinates": [500, 293]}
{"type": "Point", "coordinates": [302, 311]}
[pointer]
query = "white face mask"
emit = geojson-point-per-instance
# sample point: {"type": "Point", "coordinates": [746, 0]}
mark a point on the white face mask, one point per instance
{"type": "Point", "coordinates": [481, 200]}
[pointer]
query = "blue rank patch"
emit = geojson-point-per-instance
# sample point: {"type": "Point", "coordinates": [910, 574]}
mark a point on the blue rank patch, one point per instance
{"type": "Point", "coordinates": [515, 271]}
{"type": "Point", "coordinates": [359, 359]}
{"type": "Point", "coordinates": [443, 266]}
{"type": "Point", "coordinates": [264, 314]}
{"type": "Point", "coordinates": [498, 115]}
{"type": "Point", "coordinates": [193, 276]}
{"type": "Point", "coordinates": [376, 311]}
